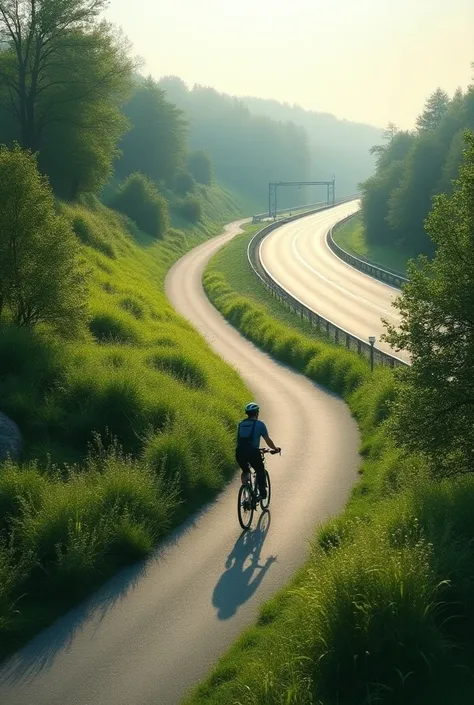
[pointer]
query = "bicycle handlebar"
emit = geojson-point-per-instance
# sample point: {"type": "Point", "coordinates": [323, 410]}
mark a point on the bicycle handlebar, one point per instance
{"type": "Point", "coordinates": [263, 451]}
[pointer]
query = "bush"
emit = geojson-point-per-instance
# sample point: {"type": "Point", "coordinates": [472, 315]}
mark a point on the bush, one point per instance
{"type": "Point", "coordinates": [109, 327]}
{"type": "Point", "coordinates": [191, 209]}
{"type": "Point", "coordinates": [41, 275]}
{"type": "Point", "coordinates": [180, 366]}
{"type": "Point", "coordinates": [372, 610]}
{"type": "Point", "coordinates": [200, 166]}
{"type": "Point", "coordinates": [184, 183]}
{"type": "Point", "coordinates": [139, 199]}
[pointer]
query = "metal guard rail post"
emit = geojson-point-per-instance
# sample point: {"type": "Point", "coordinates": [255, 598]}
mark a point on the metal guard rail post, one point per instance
{"type": "Point", "coordinates": [389, 276]}
{"type": "Point", "coordinates": [336, 334]}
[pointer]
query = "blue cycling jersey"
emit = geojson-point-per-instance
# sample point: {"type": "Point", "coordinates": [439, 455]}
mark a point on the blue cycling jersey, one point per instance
{"type": "Point", "coordinates": [250, 431]}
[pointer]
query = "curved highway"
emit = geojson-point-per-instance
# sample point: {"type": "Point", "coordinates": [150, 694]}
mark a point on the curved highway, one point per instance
{"type": "Point", "coordinates": [156, 629]}
{"type": "Point", "coordinates": [298, 258]}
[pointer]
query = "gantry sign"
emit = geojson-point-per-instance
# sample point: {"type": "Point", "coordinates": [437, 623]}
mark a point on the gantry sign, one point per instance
{"type": "Point", "coordinates": [275, 185]}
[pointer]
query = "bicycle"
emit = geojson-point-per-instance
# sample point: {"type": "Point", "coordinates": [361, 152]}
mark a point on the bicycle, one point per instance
{"type": "Point", "coordinates": [249, 495]}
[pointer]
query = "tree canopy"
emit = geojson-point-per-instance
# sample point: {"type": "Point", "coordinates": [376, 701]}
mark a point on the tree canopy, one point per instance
{"type": "Point", "coordinates": [411, 168]}
{"type": "Point", "coordinates": [434, 413]}
{"type": "Point", "coordinates": [156, 143]}
{"type": "Point", "coordinates": [64, 75]}
{"type": "Point", "coordinates": [41, 277]}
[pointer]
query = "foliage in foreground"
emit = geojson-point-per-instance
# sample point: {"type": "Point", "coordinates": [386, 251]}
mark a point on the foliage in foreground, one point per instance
{"type": "Point", "coordinates": [42, 278]}
{"type": "Point", "coordinates": [434, 413]}
{"type": "Point", "coordinates": [64, 529]}
{"type": "Point", "coordinates": [383, 609]}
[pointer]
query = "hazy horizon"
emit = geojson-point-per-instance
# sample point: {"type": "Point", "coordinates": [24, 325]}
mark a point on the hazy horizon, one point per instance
{"type": "Point", "coordinates": [364, 56]}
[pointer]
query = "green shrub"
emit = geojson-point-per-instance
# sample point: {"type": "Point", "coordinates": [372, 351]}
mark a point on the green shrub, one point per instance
{"type": "Point", "coordinates": [108, 327]}
{"type": "Point", "coordinates": [17, 487]}
{"type": "Point", "coordinates": [101, 516]}
{"type": "Point", "coordinates": [372, 611]}
{"type": "Point", "coordinates": [190, 208]}
{"type": "Point", "coordinates": [138, 198]}
{"type": "Point", "coordinates": [114, 405]}
{"type": "Point", "coordinates": [42, 278]}
{"type": "Point", "coordinates": [180, 366]}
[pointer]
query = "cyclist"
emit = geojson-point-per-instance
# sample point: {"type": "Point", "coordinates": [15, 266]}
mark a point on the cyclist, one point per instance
{"type": "Point", "coordinates": [247, 453]}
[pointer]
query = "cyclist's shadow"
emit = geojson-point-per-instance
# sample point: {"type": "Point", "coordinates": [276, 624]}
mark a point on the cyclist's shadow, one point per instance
{"type": "Point", "coordinates": [243, 574]}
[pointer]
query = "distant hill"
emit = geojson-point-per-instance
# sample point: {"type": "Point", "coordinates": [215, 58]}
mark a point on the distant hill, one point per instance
{"type": "Point", "coordinates": [337, 146]}
{"type": "Point", "coordinates": [252, 141]}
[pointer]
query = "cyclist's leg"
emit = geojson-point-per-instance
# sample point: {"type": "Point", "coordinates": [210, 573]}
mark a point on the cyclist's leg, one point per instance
{"type": "Point", "coordinates": [259, 467]}
{"type": "Point", "coordinates": [244, 465]}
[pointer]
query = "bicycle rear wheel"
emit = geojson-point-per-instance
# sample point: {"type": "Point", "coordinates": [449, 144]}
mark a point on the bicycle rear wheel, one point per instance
{"type": "Point", "coordinates": [245, 506]}
{"type": "Point", "coordinates": [265, 503]}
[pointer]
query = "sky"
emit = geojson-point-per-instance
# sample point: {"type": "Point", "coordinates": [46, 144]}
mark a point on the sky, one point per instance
{"type": "Point", "coordinates": [370, 61]}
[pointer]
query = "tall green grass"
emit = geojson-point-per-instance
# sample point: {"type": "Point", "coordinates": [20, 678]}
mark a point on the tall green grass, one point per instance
{"type": "Point", "coordinates": [126, 430]}
{"type": "Point", "coordinates": [383, 610]}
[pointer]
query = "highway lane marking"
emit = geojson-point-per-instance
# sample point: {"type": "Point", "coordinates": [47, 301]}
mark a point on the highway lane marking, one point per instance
{"type": "Point", "coordinates": [330, 281]}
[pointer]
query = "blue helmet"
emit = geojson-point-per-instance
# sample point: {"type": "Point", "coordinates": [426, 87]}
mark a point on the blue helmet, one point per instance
{"type": "Point", "coordinates": [252, 408]}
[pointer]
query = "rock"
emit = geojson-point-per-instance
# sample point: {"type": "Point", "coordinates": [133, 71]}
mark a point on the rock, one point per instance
{"type": "Point", "coordinates": [10, 438]}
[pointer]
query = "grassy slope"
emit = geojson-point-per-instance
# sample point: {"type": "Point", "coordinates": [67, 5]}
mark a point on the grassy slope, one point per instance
{"type": "Point", "coordinates": [368, 619]}
{"type": "Point", "coordinates": [351, 237]}
{"type": "Point", "coordinates": [142, 375]}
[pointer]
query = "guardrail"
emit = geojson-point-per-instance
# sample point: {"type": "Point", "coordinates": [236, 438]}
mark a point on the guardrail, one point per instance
{"type": "Point", "coordinates": [310, 207]}
{"type": "Point", "coordinates": [335, 333]}
{"type": "Point", "coordinates": [389, 276]}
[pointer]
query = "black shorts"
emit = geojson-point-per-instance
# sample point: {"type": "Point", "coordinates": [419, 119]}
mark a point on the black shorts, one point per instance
{"type": "Point", "coordinates": [252, 457]}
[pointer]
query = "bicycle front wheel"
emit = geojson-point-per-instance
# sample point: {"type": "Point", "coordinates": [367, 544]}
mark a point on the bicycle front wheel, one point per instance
{"type": "Point", "coordinates": [245, 507]}
{"type": "Point", "coordinates": [265, 503]}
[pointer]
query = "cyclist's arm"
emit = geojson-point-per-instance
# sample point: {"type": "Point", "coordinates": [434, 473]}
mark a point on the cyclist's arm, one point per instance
{"type": "Point", "coordinates": [270, 443]}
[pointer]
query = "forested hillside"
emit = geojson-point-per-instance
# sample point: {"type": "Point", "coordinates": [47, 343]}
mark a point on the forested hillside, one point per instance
{"type": "Point", "coordinates": [253, 141]}
{"type": "Point", "coordinates": [247, 151]}
{"type": "Point", "coordinates": [414, 166]}
{"type": "Point", "coordinates": [336, 146]}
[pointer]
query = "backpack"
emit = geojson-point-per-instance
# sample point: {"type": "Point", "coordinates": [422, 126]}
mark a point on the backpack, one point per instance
{"type": "Point", "coordinates": [244, 442]}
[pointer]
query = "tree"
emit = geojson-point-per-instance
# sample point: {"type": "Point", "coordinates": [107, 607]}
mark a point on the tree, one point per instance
{"type": "Point", "coordinates": [139, 199]}
{"type": "Point", "coordinates": [64, 76]}
{"type": "Point", "coordinates": [200, 166]}
{"type": "Point", "coordinates": [434, 413]}
{"type": "Point", "coordinates": [436, 108]}
{"type": "Point", "coordinates": [452, 163]}
{"type": "Point", "coordinates": [410, 201]}
{"type": "Point", "coordinates": [41, 276]}
{"type": "Point", "coordinates": [375, 201]}
{"type": "Point", "coordinates": [388, 135]}
{"type": "Point", "coordinates": [412, 167]}
{"type": "Point", "coordinates": [156, 143]}
{"type": "Point", "coordinates": [390, 132]}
